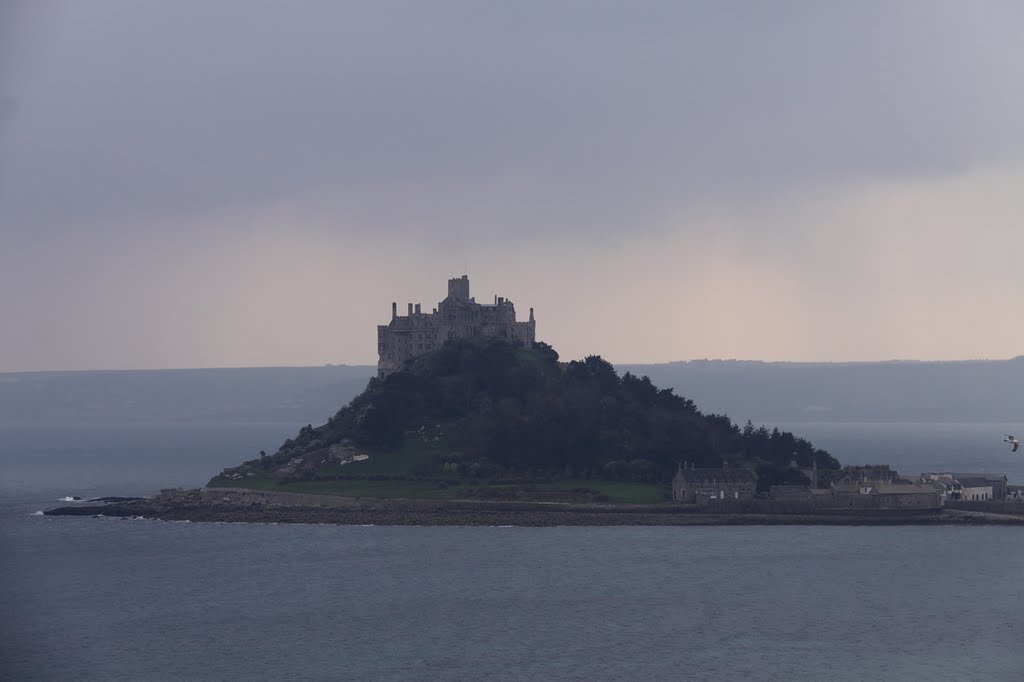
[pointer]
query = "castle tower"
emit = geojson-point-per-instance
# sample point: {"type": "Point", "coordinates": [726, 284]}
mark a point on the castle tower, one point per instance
{"type": "Point", "coordinates": [456, 317]}
{"type": "Point", "coordinates": [458, 288]}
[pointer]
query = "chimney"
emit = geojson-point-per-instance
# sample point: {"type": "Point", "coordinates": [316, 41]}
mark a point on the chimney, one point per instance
{"type": "Point", "coordinates": [394, 310]}
{"type": "Point", "coordinates": [417, 308]}
{"type": "Point", "coordinates": [531, 314]}
{"type": "Point", "coordinates": [410, 310]}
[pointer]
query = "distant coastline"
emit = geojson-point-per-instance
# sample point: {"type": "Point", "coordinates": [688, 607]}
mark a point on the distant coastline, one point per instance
{"type": "Point", "coordinates": [885, 392]}
{"type": "Point", "coordinates": [252, 506]}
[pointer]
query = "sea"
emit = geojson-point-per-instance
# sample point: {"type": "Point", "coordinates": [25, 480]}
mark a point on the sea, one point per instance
{"type": "Point", "coordinates": [122, 599]}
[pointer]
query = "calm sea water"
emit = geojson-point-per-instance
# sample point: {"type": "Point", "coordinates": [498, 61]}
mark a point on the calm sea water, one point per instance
{"type": "Point", "coordinates": [110, 599]}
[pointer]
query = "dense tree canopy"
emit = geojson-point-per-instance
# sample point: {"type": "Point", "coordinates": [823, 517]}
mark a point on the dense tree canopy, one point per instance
{"type": "Point", "coordinates": [492, 406]}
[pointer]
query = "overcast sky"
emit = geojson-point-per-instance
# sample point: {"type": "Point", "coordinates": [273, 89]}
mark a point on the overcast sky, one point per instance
{"type": "Point", "coordinates": [195, 184]}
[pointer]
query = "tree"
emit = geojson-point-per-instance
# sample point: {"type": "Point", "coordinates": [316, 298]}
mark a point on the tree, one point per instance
{"type": "Point", "coordinates": [519, 410]}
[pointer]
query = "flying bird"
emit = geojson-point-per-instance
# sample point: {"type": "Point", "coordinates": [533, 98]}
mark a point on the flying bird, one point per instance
{"type": "Point", "coordinates": [1012, 440]}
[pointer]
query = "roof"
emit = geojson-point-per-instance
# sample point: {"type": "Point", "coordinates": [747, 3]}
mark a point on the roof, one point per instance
{"type": "Point", "coordinates": [887, 488]}
{"type": "Point", "coordinates": [904, 489]}
{"type": "Point", "coordinates": [974, 481]}
{"type": "Point", "coordinates": [995, 478]}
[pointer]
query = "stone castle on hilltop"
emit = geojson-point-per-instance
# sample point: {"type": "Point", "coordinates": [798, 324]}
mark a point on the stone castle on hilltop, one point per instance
{"type": "Point", "coordinates": [458, 316]}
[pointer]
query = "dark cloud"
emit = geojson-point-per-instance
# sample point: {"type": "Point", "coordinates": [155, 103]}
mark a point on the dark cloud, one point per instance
{"type": "Point", "coordinates": [144, 108]}
{"type": "Point", "coordinates": [183, 180]}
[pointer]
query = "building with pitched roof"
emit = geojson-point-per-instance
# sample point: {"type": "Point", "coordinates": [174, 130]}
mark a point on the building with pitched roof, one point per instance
{"type": "Point", "coordinates": [880, 496]}
{"type": "Point", "coordinates": [970, 487]}
{"type": "Point", "coordinates": [692, 484]}
{"type": "Point", "coordinates": [998, 482]}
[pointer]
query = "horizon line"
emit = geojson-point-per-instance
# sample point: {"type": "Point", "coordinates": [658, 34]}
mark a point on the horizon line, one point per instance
{"type": "Point", "coordinates": [893, 361]}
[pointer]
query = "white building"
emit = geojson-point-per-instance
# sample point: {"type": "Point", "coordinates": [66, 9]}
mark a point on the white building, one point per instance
{"type": "Point", "coordinates": [975, 489]}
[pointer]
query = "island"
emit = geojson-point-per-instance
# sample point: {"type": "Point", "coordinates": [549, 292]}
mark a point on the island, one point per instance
{"type": "Point", "coordinates": [471, 421]}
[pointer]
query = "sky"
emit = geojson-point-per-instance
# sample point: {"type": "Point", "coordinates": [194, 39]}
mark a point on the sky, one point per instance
{"type": "Point", "coordinates": [197, 184]}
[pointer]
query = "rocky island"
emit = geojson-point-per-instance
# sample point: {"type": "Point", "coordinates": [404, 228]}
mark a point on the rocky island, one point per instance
{"type": "Point", "coordinates": [471, 421]}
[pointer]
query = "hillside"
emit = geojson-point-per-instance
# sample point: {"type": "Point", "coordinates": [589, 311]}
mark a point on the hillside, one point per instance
{"type": "Point", "coordinates": [484, 410]}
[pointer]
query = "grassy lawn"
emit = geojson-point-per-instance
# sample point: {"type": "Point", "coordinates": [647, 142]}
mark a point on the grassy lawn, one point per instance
{"type": "Point", "coordinates": [378, 489]}
{"type": "Point", "coordinates": [416, 459]}
{"type": "Point", "coordinates": [617, 492]}
{"type": "Point", "coordinates": [404, 460]}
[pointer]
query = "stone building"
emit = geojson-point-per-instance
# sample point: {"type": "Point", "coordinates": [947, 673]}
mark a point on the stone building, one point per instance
{"type": "Point", "coordinates": [950, 489]}
{"type": "Point", "coordinates": [975, 488]}
{"type": "Point", "coordinates": [998, 482]}
{"type": "Point", "coordinates": [970, 487]}
{"type": "Point", "coordinates": [880, 497]}
{"type": "Point", "coordinates": [691, 484]}
{"type": "Point", "coordinates": [458, 316]}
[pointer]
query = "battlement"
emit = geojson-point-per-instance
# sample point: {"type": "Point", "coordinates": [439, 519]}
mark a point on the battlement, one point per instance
{"type": "Point", "coordinates": [458, 316]}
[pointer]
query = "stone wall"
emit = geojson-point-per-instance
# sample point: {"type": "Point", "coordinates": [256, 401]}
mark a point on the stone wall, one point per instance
{"type": "Point", "coordinates": [879, 501]}
{"type": "Point", "coordinates": [1015, 507]}
{"type": "Point", "coordinates": [806, 506]}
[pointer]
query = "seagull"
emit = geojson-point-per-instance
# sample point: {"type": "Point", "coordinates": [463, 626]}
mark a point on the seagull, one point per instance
{"type": "Point", "coordinates": [1012, 440]}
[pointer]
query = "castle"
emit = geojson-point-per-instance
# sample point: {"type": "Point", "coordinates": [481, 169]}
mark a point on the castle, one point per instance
{"type": "Point", "coordinates": [458, 316]}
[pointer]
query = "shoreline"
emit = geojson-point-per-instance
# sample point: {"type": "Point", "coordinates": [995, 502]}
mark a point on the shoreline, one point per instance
{"type": "Point", "coordinates": [238, 505]}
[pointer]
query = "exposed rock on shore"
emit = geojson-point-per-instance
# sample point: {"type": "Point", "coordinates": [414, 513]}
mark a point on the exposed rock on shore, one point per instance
{"type": "Point", "coordinates": [256, 506]}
